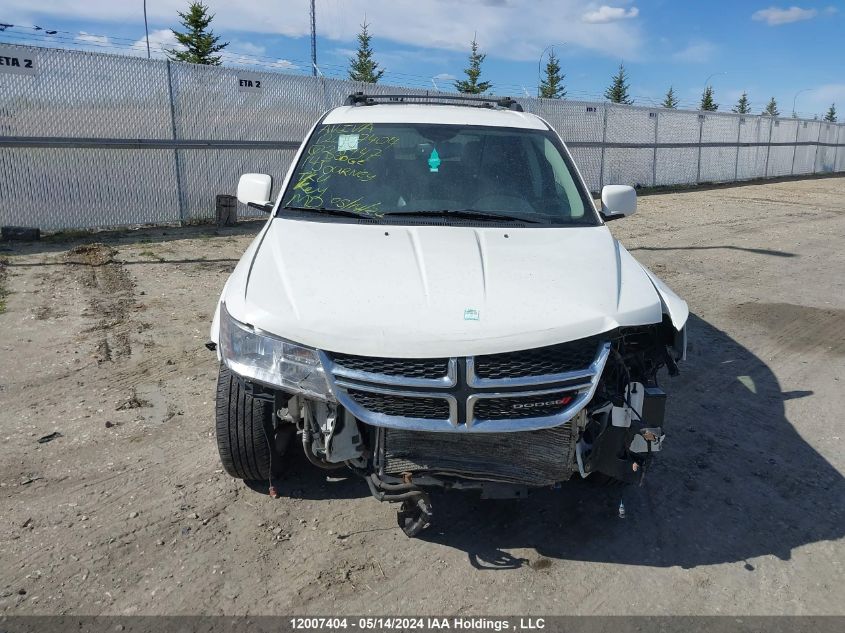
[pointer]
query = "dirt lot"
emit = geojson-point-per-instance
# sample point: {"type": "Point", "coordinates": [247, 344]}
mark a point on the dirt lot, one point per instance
{"type": "Point", "coordinates": [126, 510]}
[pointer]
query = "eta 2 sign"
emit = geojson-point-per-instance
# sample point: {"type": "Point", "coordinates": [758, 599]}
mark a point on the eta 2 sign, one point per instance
{"type": "Point", "coordinates": [249, 82]}
{"type": "Point", "coordinates": [18, 62]}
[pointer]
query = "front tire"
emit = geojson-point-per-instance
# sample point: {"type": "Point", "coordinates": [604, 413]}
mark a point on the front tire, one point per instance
{"type": "Point", "coordinates": [244, 428]}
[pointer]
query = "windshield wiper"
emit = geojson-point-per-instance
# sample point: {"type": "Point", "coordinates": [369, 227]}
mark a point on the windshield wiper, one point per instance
{"type": "Point", "coordinates": [468, 214]}
{"type": "Point", "coordinates": [340, 212]}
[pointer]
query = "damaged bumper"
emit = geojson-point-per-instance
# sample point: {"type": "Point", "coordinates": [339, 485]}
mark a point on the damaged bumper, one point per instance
{"type": "Point", "coordinates": [501, 423]}
{"type": "Point", "coordinates": [529, 418]}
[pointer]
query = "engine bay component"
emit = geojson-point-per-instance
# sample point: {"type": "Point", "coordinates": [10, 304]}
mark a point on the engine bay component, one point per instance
{"type": "Point", "coordinates": [532, 458]}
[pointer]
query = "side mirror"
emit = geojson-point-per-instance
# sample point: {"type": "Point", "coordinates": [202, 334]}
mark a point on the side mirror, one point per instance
{"type": "Point", "coordinates": [618, 201]}
{"type": "Point", "coordinates": [254, 191]}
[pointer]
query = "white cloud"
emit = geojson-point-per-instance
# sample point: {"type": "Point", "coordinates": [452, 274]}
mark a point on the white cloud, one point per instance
{"type": "Point", "coordinates": [775, 16]}
{"type": "Point", "coordinates": [344, 52]}
{"type": "Point", "coordinates": [161, 40]}
{"type": "Point", "coordinates": [96, 40]}
{"type": "Point", "coordinates": [445, 77]}
{"type": "Point", "coordinates": [819, 99]}
{"type": "Point", "coordinates": [240, 53]}
{"type": "Point", "coordinates": [248, 47]}
{"type": "Point", "coordinates": [605, 14]}
{"type": "Point", "coordinates": [509, 29]}
{"type": "Point", "coordinates": [239, 59]}
{"type": "Point", "coordinates": [283, 63]}
{"type": "Point", "coordinates": [696, 53]}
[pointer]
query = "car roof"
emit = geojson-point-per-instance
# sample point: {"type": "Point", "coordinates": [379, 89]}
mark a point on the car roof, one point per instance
{"type": "Point", "coordinates": [434, 113]}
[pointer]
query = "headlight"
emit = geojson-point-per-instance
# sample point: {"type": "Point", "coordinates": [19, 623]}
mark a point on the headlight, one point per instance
{"type": "Point", "coordinates": [271, 360]}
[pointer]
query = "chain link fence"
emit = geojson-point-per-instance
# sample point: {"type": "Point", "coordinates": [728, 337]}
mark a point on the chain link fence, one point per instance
{"type": "Point", "coordinates": [92, 140]}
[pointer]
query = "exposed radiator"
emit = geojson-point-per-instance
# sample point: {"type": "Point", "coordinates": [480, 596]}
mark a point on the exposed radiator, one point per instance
{"type": "Point", "coordinates": [532, 458]}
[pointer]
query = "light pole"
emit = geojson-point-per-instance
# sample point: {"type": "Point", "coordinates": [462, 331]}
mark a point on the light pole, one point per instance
{"type": "Point", "coordinates": [146, 29]}
{"type": "Point", "coordinates": [794, 113]}
{"type": "Point", "coordinates": [313, 17]}
{"type": "Point", "coordinates": [707, 84]}
{"type": "Point", "coordinates": [540, 63]}
{"type": "Point", "coordinates": [707, 81]}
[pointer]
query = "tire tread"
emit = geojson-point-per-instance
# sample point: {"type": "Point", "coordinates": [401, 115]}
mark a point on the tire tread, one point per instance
{"type": "Point", "coordinates": [240, 428]}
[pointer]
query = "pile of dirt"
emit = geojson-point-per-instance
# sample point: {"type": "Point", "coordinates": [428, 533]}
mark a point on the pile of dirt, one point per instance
{"type": "Point", "coordinates": [95, 254]}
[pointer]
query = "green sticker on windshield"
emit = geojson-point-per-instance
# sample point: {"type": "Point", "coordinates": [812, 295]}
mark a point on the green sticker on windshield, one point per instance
{"type": "Point", "coordinates": [434, 160]}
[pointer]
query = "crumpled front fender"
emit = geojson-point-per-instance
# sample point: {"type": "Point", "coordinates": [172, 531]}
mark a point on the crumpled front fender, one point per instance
{"type": "Point", "coordinates": [673, 306]}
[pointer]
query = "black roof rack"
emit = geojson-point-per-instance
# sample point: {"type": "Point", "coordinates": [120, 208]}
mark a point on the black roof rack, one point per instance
{"type": "Point", "coordinates": [359, 99]}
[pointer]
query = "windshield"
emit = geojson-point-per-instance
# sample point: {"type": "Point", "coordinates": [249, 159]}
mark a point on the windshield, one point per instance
{"type": "Point", "coordinates": [424, 170]}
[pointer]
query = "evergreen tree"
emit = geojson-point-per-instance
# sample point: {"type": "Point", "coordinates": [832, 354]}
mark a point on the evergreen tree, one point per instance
{"type": "Point", "coordinates": [707, 103]}
{"type": "Point", "coordinates": [743, 106]}
{"type": "Point", "coordinates": [363, 67]}
{"type": "Point", "coordinates": [552, 86]}
{"type": "Point", "coordinates": [199, 41]}
{"type": "Point", "coordinates": [471, 85]}
{"type": "Point", "coordinates": [831, 114]}
{"type": "Point", "coordinates": [771, 108]}
{"type": "Point", "coordinates": [670, 101]}
{"type": "Point", "coordinates": [617, 92]}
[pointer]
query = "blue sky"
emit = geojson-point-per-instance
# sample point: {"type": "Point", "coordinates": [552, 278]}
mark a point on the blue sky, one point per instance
{"type": "Point", "coordinates": [768, 49]}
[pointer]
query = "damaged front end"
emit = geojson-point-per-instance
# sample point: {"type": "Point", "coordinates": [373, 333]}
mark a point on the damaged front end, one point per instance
{"type": "Point", "coordinates": [500, 424]}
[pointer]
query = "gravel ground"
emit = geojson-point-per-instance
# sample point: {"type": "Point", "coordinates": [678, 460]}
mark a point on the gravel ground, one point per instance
{"type": "Point", "coordinates": [112, 500]}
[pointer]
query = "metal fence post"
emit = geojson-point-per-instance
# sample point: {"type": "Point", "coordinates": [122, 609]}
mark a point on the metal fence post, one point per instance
{"type": "Point", "coordinates": [839, 129]}
{"type": "Point", "coordinates": [795, 146]}
{"type": "Point", "coordinates": [739, 122]}
{"type": "Point", "coordinates": [700, 137]}
{"type": "Point", "coordinates": [654, 157]}
{"type": "Point", "coordinates": [603, 144]}
{"type": "Point", "coordinates": [175, 149]}
{"type": "Point", "coordinates": [816, 155]}
{"type": "Point", "coordinates": [769, 146]}
{"type": "Point", "coordinates": [325, 93]}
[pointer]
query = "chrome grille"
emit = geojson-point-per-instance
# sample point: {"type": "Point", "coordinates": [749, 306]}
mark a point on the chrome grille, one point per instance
{"type": "Point", "coordinates": [515, 391]}
{"type": "Point", "coordinates": [522, 407]}
{"type": "Point", "coordinates": [542, 361]}
{"type": "Point", "coordinates": [402, 406]}
{"type": "Point", "coordinates": [431, 368]}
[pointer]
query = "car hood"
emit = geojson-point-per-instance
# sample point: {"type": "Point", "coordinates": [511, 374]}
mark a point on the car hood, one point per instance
{"type": "Point", "coordinates": [424, 291]}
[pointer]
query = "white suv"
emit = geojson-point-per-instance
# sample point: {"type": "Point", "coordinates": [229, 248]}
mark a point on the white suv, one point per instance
{"type": "Point", "coordinates": [435, 303]}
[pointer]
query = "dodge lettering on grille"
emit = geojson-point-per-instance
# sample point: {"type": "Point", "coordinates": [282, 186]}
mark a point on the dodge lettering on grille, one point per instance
{"type": "Point", "coordinates": [545, 403]}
